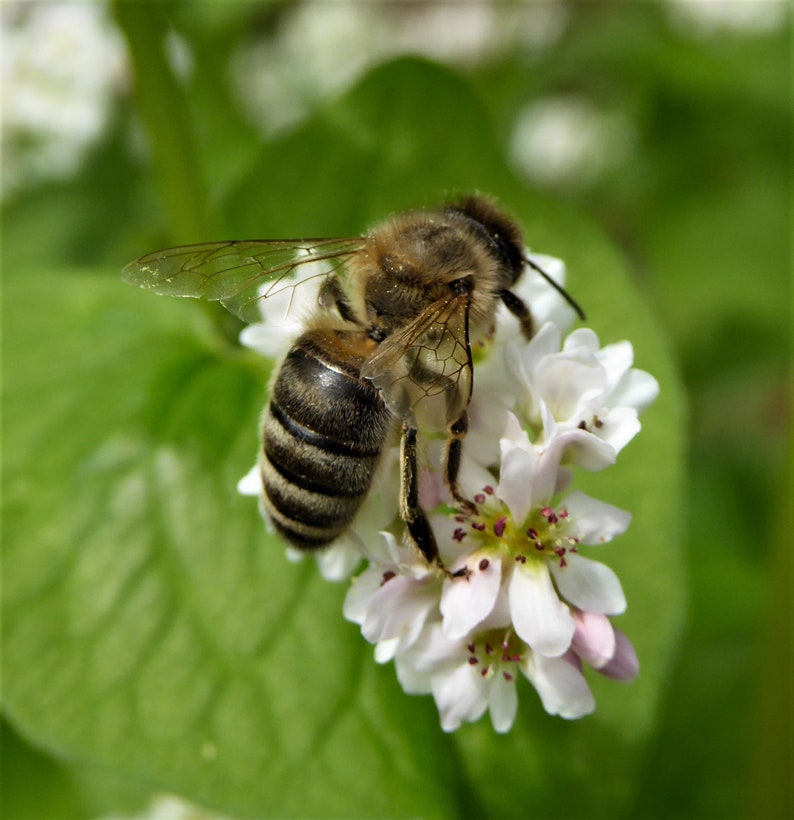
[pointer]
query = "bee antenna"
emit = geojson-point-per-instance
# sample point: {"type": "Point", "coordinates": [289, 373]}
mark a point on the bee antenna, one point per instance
{"type": "Point", "coordinates": [558, 287]}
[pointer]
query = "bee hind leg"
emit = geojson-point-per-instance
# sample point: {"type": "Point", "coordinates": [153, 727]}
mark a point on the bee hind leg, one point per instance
{"type": "Point", "coordinates": [419, 529]}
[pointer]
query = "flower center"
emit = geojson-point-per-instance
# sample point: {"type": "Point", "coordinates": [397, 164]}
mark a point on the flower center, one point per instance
{"type": "Point", "coordinates": [496, 651]}
{"type": "Point", "coordinates": [547, 532]}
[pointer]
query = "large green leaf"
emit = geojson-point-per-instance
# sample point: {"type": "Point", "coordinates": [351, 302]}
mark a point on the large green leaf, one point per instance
{"type": "Point", "coordinates": [153, 629]}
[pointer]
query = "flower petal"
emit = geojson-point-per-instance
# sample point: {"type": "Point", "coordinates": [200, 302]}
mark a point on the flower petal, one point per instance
{"type": "Point", "coordinates": [251, 482]}
{"type": "Point", "coordinates": [589, 585]}
{"type": "Point", "coordinates": [502, 702]}
{"type": "Point", "coordinates": [624, 665]}
{"type": "Point", "coordinates": [399, 608]}
{"type": "Point", "coordinates": [539, 617]}
{"type": "Point", "coordinates": [594, 640]}
{"type": "Point", "coordinates": [516, 475]}
{"type": "Point", "coordinates": [583, 449]}
{"type": "Point", "coordinates": [595, 522]}
{"type": "Point", "coordinates": [461, 696]}
{"type": "Point", "coordinates": [466, 602]}
{"type": "Point", "coordinates": [561, 686]}
{"type": "Point", "coordinates": [339, 561]}
{"type": "Point", "coordinates": [636, 389]}
{"type": "Point", "coordinates": [360, 593]}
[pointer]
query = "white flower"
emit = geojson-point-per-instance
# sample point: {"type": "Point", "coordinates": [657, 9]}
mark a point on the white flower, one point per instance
{"type": "Point", "coordinates": [580, 387]}
{"type": "Point", "coordinates": [468, 676]}
{"type": "Point", "coordinates": [495, 389]}
{"type": "Point", "coordinates": [464, 679]}
{"type": "Point", "coordinates": [393, 598]}
{"type": "Point", "coordinates": [521, 547]}
{"type": "Point", "coordinates": [515, 590]}
{"type": "Point", "coordinates": [62, 64]}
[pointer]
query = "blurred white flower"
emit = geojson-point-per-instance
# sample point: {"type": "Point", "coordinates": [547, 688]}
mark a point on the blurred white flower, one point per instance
{"type": "Point", "coordinates": [709, 17]}
{"type": "Point", "coordinates": [318, 49]}
{"type": "Point", "coordinates": [62, 64]}
{"type": "Point", "coordinates": [568, 140]}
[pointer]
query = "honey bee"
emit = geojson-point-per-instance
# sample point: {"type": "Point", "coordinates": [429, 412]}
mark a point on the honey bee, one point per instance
{"type": "Point", "coordinates": [388, 346]}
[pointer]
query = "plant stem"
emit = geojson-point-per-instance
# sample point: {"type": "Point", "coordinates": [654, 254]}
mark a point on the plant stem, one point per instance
{"type": "Point", "coordinates": [163, 107]}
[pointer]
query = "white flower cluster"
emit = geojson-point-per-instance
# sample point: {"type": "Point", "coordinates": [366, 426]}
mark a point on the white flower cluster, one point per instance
{"type": "Point", "coordinates": [526, 597]}
{"type": "Point", "coordinates": [62, 64]}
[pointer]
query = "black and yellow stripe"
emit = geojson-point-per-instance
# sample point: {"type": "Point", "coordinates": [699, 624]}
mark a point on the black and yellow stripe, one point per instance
{"type": "Point", "coordinates": [323, 434]}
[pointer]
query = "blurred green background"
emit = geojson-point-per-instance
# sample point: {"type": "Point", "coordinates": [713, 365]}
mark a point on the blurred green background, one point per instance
{"type": "Point", "coordinates": [647, 144]}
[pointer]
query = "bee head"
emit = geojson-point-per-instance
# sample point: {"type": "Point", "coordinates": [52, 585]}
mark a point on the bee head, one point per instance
{"type": "Point", "coordinates": [503, 233]}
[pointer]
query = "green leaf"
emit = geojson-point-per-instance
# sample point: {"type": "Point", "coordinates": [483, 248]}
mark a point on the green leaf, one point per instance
{"type": "Point", "coordinates": [152, 627]}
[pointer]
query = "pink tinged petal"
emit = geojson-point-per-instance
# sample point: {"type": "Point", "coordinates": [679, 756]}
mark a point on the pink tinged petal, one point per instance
{"type": "Point", "coordinates": [515, 482]}
{"type": "Point", "coordinates": [561, 686]}
{"type": "Point", "coordinates": [399, 608]}
{"type": "Point", "coordinates": [539, 617]}
{"type": "Point", "coordinates": [432, 490]}
{"type": "Point", "coordinates": [594, 639]}
{"type": "Point", "coordinates": [624, 665]}
{"type": "Point", "coordinates": [589, 585]}
{"type": "Point", "coordinates": [465, 602]}
{"type": "Point", "coordinates": [461, 696]}
{"type": "Point", "coordinates": [595, 522]}
{"type": "Point", "coordinates": [502, 701]}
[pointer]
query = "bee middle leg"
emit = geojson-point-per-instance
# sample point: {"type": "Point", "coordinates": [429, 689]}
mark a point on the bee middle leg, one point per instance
{"type": "Point", "coordinates": [453, 450]}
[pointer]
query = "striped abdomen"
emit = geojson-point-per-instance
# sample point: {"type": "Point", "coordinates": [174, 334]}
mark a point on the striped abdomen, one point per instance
{"type": "Point", "coordinates": [323, 434]}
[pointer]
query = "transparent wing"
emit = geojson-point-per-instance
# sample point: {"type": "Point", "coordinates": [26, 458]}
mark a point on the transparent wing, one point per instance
{"type": "Point", "coordinates": [240, 274]}
{"type": "Point", "coordinates": [424, 372]}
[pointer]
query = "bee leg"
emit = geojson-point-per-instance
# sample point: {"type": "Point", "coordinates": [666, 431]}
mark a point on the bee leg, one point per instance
{"type": "Point", "coordinates": [331, 293]}
{"type": "Point", "coordinates": [517, 306]}
{"type": "Point", "coordinates": [452, 454]}
{"type": "Point", "coordinates": [411, 512]}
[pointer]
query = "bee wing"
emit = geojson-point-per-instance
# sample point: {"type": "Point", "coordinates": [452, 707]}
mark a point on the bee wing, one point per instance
{"type": "Point", "coordinates": [424, 372]}
{"type": "Point", "coordinates": [240, 274]}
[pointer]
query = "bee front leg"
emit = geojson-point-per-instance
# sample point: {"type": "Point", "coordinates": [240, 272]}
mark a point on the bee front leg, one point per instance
{"type": "Point", "coordinates": [411, 512]}
{"type": "Point", "coordinates": [517, 306]}
{"type": "Point", "coordinates": [452, 454]}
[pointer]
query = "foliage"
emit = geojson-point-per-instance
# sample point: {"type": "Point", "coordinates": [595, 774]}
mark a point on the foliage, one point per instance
{"type": "Point", "coordinates": [155, 637]}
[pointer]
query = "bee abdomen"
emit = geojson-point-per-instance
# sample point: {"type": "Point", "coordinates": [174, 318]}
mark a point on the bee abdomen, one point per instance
{"type": "Point", "coordinates": [322, 438]}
